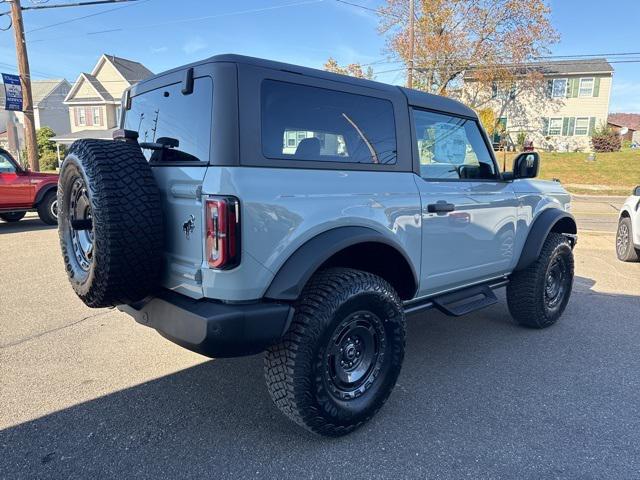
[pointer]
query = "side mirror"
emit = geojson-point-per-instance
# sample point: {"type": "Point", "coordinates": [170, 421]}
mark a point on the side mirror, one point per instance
{"type": "Point", "coordinates": [526, 165]}
{"type": "Point", "coordinates": [636, 191]}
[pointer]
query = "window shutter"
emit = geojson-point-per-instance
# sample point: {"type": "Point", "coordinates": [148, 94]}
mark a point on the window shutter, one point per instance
{"type": "Point", "coordinates": [545, 126]}
{"type": "Point", "coordinates": [565, 126]}
{"type": "Point", "coordinates": [75, 116]}
{"type": "Point", "coordinates": [574, 87]}
{"type": "Point", "coordinates": [572, 126]}
{"type": "Point", "coordinates": [89, 116]}
{"type": "Point", "coordinates": [596, 87]}
{"type": "Point", "coordinates": [101, 118]}
{"type": "Point", "coordinates": [550, 88]}
{"type": "Point", "coordinates": [592, 125]}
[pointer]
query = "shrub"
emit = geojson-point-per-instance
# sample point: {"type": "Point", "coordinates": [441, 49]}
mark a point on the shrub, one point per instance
{"type": "Point", "coordinates": [604, 139]}
{"type": "Point", "coordinates": [49, 161]}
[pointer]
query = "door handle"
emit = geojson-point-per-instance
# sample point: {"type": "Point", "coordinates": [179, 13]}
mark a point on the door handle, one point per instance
{"type": "Point", "coordinates": [441, 207]}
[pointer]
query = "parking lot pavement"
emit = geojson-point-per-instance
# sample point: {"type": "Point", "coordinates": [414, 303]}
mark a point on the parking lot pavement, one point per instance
{"type": "Point", "coordinates": [89, 393]}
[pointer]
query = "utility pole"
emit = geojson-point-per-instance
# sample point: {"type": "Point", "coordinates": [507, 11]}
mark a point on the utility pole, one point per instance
{"type": "Point", "coordinates": [412, 17]}
{"type": "Point", "coordinates": [25, 80]}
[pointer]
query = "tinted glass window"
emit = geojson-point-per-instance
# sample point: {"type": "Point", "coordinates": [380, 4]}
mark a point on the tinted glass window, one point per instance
{"type": "Point", "coordinates": [6, 166]}
{"type": "Point", "coordinates": [315, 124]}
{"type": "Point", "coordinates": [166, 112]}
{"type": "Point", "coordinates": [451, 148]}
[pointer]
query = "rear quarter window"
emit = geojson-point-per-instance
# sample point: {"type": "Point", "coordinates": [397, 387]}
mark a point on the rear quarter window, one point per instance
{"type": "Point", "coordinates": [167, 112]}
{"type": "Point", "coordinates": [306, 123]}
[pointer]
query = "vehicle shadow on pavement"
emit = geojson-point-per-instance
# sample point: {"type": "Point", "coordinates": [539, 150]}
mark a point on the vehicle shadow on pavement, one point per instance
{"type": "Point", "coordinates": [25, 225]}
{"type": "Point", "coordinates": [478, 396]}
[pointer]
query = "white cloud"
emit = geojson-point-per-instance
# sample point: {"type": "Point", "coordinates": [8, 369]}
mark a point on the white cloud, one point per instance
{"type": "Point", "coordinates": [160, 49]}
{"type": "Point", "coordinates": [194, 45]}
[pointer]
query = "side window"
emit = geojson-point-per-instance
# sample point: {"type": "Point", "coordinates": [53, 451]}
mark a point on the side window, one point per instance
{"type": "Point", "coordinates": [6, 165]}
{"type": "Point", "coordinates": [451, 148]}
{"type": "Point", "coordinates": [166, 112]}
{"type": "Point", "coordinates": [316, 124]}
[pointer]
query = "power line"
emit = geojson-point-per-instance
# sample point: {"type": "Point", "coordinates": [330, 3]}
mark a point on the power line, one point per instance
{"type": "Point", "coordinates": [185, 20]}
{"type": "Point", "coordinates": [85, 16]}
{"type": "Point", "coordinates": [65, 5]}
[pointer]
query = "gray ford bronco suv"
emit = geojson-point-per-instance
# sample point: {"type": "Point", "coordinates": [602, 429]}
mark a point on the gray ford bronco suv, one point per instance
{"type": "Point", "coordinates": [247, 205]}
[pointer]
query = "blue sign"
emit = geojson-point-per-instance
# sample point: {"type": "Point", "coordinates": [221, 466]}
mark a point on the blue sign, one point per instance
{"type": "Point", "coordinates": [12, 92]}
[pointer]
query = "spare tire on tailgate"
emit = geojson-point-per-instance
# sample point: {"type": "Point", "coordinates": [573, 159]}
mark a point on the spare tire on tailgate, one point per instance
{"type": "Point", "coordinates": [109, 222]}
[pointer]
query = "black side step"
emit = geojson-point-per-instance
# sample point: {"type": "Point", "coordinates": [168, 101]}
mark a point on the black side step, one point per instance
{"type": "Point", "coordinates": [465, 301]}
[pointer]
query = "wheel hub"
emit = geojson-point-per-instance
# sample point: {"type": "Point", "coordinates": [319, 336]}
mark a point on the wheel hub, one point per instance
{"type": "Point", "coordinates": [80, 209]}
{"type": "Point", "coordinates": [555, 285]}
{"type": "Point", "coordinates": [354, 355]}
{"type": "Point", "coordinates": [622, 242]}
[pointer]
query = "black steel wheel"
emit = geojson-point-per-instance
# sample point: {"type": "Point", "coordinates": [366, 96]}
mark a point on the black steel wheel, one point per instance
{"type": "Point", "coordinates": [538, 295]}
{"type": "Point", "coordinates": [355, 355]}
{"type": "Point", "coordinates": [625, 250]}
{"type": "Point", "coordinates": [341, 357]}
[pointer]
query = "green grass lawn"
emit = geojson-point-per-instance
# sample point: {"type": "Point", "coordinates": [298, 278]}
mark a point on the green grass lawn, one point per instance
{"type": "Point", "coordinates": [609, 174]}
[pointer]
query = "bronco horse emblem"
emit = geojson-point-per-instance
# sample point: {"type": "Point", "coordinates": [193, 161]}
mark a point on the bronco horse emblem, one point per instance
{"type": "Point", "coordinates": [189, 226]}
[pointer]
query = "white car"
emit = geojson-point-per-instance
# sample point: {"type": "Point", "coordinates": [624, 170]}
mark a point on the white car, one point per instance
{"type": "Point", "coordinates": [628, 236]}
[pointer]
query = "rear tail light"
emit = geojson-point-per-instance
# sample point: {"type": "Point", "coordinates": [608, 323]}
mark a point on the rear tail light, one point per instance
{"type": "Point", "coordinates": [223, 232]}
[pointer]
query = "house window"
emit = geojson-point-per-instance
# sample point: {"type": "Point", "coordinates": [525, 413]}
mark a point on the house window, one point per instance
{"type": "Point", "coordinates": [82, 116]}
{"type": "Point", "coordinates": [586, 87]}
{"type": "Point", "coordinates": [559, 89]}
{"type": "Point", "coordinates": [555, 126]}
{"type": "Point", "coordinates": [96, 116]}
{"type": "Point", "coordinates": [582, 126]}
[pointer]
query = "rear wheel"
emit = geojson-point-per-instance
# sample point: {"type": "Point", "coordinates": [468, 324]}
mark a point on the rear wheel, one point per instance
{"type": "Point", "coordinates": [538, 295]}
{"type": "Point", "coordinates": [342, 355]}
{"type": "Point", "coordinates": [48, 208]}
{"type": "Point", "coordinates": [625, 249]}
{"type": "Point", "coordinates": [12, 216]}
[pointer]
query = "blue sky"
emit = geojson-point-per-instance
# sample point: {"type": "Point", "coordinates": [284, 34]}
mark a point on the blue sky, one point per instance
{"type": "Point", "coordinates": [304, 32]}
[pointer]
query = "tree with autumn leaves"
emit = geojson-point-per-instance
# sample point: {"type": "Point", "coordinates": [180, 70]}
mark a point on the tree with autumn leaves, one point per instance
{"type": "Point", "coordinates": [487, 45]}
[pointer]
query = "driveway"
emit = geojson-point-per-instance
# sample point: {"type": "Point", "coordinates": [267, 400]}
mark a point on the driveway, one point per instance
{"type": "Point", "coordinates": [91, 394]}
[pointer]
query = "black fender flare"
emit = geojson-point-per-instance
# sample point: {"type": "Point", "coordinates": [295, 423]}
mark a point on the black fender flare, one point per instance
{"type": "Point", "coordinates": [296, 271]}
{"type": "Point", "coordinates": [43, 191]}
{"type": "Point", "coordinates": [540, 229]}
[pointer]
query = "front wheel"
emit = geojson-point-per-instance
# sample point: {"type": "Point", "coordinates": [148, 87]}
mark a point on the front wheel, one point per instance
{"type": "Point", "coordinates": [341, 357]}
{"type": "Point", "coordinates": [625, 249]}
{"type": "Point", "coordinates": [12, 216]}
{"type": "Point", "coordinates": [538, 295]}
{"type": "Point", "coordinates": [48, 208]}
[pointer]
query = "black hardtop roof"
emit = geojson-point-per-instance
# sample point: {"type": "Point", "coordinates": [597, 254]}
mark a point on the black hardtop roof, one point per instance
{"type": "Point", "coordinates": [415, 97]}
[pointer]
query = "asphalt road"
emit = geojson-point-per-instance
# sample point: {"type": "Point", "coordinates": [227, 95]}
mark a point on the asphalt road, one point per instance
{"type": "Point", "coordinates": [91, 394]}
{"type": "Point", "coordinates": [597, 213]}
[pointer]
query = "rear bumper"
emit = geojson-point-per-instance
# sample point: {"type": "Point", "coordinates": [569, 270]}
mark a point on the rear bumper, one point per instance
{"type": "Point", "coordinates": [212, 328]}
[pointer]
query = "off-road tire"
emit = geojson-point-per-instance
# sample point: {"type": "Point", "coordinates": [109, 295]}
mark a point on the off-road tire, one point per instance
{"type": "Point", "coordinates": [46, 208]}
{"type": "Point", "coordinates": [528, 290]}
{"type": "Point", "coordinates": [297, 370]}
{"type": "Point", "coordinates": [625, 250]}
{"type": "Point", "coordinates": [116, 184]}
{"type": "Point", "coordinates": [12, 216]}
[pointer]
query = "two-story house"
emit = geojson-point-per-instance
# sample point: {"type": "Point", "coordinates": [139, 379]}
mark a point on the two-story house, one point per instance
{"type": "Point", "coordinates": [94, 100]}
{"type": "Point", "coordinates": [571, 100]}
{"type": "Point", "coordinates": [49, 109]}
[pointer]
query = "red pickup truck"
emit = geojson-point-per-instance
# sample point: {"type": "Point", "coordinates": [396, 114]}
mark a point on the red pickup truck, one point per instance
{"type": "Point", "coordinates": [23, 190]}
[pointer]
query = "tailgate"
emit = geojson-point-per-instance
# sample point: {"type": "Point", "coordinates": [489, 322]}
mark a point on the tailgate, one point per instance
{"type": "Point", "coordinates": [183, 233]}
